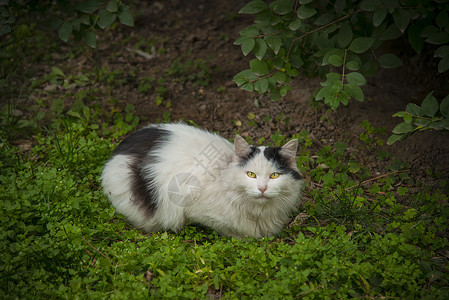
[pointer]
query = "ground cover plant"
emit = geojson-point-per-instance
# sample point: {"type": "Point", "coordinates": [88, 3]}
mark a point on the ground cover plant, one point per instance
{"type": "Point", "coordinates": [373, 223]}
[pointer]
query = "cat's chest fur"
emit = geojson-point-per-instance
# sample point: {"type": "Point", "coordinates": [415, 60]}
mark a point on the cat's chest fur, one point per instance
{"type": "Point", "coordinates": [165, 176]}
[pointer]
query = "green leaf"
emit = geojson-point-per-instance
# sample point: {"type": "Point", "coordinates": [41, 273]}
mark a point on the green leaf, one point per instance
{"type": "Point", "coordinates": [445, 123]}
{"type": "Point", "coordinates": [88, 6]}
{"type": "Point", "coordinates": [379, 16]}
{"type": "Point", "coordinates": [293, 72]}
{"type": "Point", "coordinates": [325, 18]}
{"type": "Point", "coordinates": [248, 45]}
{"type": "Point", "coordinates": [57, 106]}
{"type": "Point", "coordinates": [389, 61]}
{"type": "Point", "coordinates": [356, 78]}
{"type": "Point", "coordinates": [396, 137]}
{"type": "Point", "coordinates": [296, 61]}
{"type": "Point", "coordinates": [244, 77]}
{"type": "Point", "coordinates": [344, 36]}
{"type": "Point", "coordinates": [105, 18]}
{"type": "Point", "coordinates": [336, 60]}
{"type": "Point", "coordinates": [413, 109]}
{"type": "Point", "coordinates": [404, 128]}
{"type": "Point", "coordinates": [112, 6]}
{"type": "Point", "coordinates": [295, 24]}
{"type": "Point", "coordinates": [261, 86]}
{"type": "Point", "coordinates": [370, 5]}
{"type": "Point", "coordinates": [343, 97]}
{"type": "Point", "coordinates": [422, 122]}
{"type": "Point", "coordinates": [248, 87]}
{"type": "Point", "coordinates": [361, 44]}
{"type": "Point", "coordinates": [414, 37]}
{"type": "Point", "coordinates": [52, 23]}
{"type": "Point", "coordinates": [438, 38]}
{"type": "Point", "coordinates": [329, 53]}
{"type": "Point", "coordinates": [65, 31]}
{"type": "Point", "coordinates": [274, 42]}
{"type": "Point", "coordinates": [259, 67]}
{"type": "Point", "coordinates": [260, 49]}
{"type": "Point", "coordinates": [126, 18]}
{"type": "Point", "coordinates": [275, 19]}
{"type": "Point", "coordinates": [340, 6]}
{"type": "Point", "coordinates": [444, 107]}
{"type": "Point", "coordinates": [333, 101]}
{"type": "Point", "coordinates": [442, 18]}
{"type": "Point", "coordinates": [353, 65]}
{"type": "Point", "coordinates": [84, 19]}
{"type": "Point", "coordinates": [253, 7]}
{"type": "Point", "coordinates": [443, 65]}
{"type": "Point", "coordinates": [391, 33]}
{"type": "Point", "coordinates": [400, 114]}
{"type": "Point", "coordinates": [283, 91]}
{"type": "Point", "coordinates": [305, 12]}
{"type": "Point", "coordinates": [282, 7]}
{"type": "Point", "coordinates": [429, 105]}
{"type": "Point", "coordinates": [323, 92]}
{"type": "Point", "coordinates": [76, 24]}
{"type": "Point", "coordinates": [281, 77]}
{"type": "Point", "coordinates": [250, 31]}
{"type": "Point", "coordinates": [355, 91]}
{"type": "Point", "coordinates": [401, 18]}
{"type": "Point", "coordinates": [442, 51]}
{"type": "Point", "coordinates": [332, 78]}
{"type": "Point", "coordinates": [57, 71]}
{"type": "Point", "coordinates": [429, 31]}
{"type": "Point", "coordinates": [407, 118]}
{"type": "Point", "coordinates": [91, 39]}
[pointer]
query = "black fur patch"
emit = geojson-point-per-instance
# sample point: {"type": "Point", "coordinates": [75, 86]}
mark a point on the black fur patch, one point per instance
{"type": "Point", "coordinates": [141, 142]}
{"type": "Point", "coordinates": [139, 145]}
{"type": "Point", "coordinates": [244, 160]}
{"type": "Point", "coordinates": [273, 153]}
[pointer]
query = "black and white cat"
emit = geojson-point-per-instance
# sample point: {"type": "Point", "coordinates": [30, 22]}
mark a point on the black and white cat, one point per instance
{"type": "Point", "coordinates": [166, 176]}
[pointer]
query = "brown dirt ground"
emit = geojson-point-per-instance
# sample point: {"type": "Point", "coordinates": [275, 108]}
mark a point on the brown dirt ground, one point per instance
{"type": "Point", "coordinates": [204, 29]}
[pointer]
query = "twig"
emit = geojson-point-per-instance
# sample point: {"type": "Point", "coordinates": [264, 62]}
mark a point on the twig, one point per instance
{"type": "Point", "coordinates": [102, 254]}
{"type": "Point", "coordinates": [322, 27]}
{"type": "Point", "coordinates": [375, 178]}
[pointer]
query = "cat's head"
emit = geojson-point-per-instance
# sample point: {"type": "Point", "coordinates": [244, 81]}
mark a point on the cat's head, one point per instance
{"type": "Point", "coordinates": [267, 172]}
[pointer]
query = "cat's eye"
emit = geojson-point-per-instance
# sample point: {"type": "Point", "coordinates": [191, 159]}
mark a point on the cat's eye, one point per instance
{"type": "Point", "coordinates": [274, 175]}
{"type": "Point", "coordinates": [251, 174]}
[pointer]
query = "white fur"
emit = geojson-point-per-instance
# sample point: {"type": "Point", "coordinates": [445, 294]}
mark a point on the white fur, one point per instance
{"type": "Point", "coordinates": [214, 190]}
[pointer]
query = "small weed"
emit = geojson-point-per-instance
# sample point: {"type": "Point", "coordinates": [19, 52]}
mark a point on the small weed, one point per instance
{"type": "Point", "coordinates": [146, 84]}
{"type": "Point", "coordinates": [197, 71]}
{"type": "Point", "coordinates": [369, 136]}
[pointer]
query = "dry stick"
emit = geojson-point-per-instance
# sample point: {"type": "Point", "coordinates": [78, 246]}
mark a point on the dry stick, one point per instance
{"type": "Point", "coordinates": [102, 254]}
{"type": "Point", "coordinates": [375, 178]}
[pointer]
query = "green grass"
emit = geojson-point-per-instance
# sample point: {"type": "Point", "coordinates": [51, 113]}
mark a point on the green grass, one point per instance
{"type": "Point", "coordinates": [61, 238]}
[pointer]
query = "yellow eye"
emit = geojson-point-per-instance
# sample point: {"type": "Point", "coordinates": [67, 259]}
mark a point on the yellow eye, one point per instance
{"type": "Point", "coordinates": [274, 175]}
{"type": "Point", "coordinates": [251, 174]}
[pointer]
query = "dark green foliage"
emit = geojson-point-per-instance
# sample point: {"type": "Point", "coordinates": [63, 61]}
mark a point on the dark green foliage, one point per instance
{"type": "Point", "coordinates": [338, 40]}
{"type": "Point", "coordinates": [430, 115]}
{"type": "Point", "coordinates": [79, 18]}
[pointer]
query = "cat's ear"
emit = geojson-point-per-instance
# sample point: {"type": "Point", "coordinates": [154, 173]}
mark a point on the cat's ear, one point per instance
{"type": "Point", "coordinates": [289, 150]}
{"type": "Point", "coordinates": [242, 149]}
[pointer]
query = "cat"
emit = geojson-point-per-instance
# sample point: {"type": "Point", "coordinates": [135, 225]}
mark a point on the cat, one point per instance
{"type": "Point", "coordinates": [165, 176]}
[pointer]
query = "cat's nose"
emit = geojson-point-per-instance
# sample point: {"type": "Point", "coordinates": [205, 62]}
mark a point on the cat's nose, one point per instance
{"type": "Point", "coordinates": [262, 189]}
